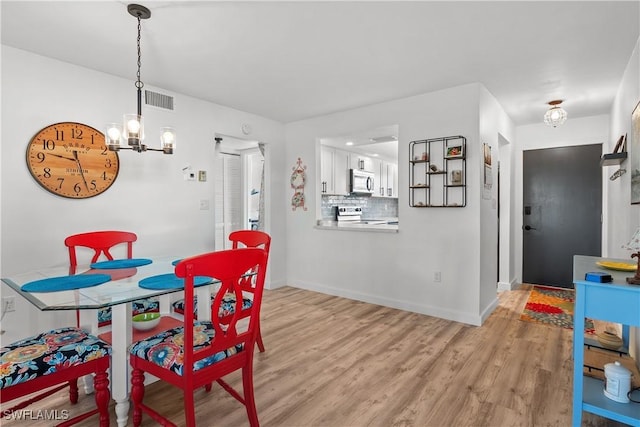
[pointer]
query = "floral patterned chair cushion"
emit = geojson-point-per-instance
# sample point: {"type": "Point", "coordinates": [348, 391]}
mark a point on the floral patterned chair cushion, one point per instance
{"type": "Point", "coordinates": [140, 306]}
{"type": "Point", "coordinates": [47, 353]}
{"type": "Point", "coordinates": [166, 348]}
{"type": "Point", "coordinates": [227, 307]}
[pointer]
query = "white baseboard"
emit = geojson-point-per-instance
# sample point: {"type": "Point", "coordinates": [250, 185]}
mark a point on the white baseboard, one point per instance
{"type": "Point", "coordinates": [507, 286]}
{"type": "Point", "coordinates": [490, 308]}
{"type": "Point", "coordinates": [442, 313]}
{"type": "Point", "coordinates": [274, 285]}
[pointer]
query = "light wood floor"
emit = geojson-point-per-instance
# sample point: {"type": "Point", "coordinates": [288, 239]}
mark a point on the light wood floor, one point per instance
{"type": "Point", "coordinates": [336, 362]}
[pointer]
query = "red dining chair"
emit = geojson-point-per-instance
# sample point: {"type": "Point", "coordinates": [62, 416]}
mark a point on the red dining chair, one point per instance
{"type": "Point", "coordinates": [194, 355]}
{"type": "Point", "coordinates": [101, 242]}
{"type": "Point", "coordinates": [251, 239]}
{"type": "Point", "coordinates": [240, 239]}
{"type": "Point", "coordinates": [57, 358]}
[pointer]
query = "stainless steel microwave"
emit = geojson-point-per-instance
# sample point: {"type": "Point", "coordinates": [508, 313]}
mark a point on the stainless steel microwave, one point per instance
{"type": "Point", "coordinates": [361, 182]}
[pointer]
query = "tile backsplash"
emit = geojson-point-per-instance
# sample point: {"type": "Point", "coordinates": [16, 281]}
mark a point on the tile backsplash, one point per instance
{"type": "Point", "coordinates": [372, 207]}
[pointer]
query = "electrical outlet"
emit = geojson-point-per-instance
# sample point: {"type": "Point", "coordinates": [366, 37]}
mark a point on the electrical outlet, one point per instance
{"type": "Point", "coordinates": [437, 276]}
{"type": "Point", "coordinates": [9, 304]}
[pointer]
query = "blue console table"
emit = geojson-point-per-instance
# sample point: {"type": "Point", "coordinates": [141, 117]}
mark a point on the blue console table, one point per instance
{"type": "Point", "coordinates": [615, 302]}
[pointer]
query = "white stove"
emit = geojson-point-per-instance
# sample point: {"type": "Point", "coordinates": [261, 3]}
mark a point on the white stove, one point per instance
{"type": "Point", "coordinates": [348, 213]}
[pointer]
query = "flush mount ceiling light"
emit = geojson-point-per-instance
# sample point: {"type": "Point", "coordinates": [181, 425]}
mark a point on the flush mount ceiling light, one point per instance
{"type": "Point", "coordinates": [555, 116]}
{"type": "Point", "coordinates": [132, 128]}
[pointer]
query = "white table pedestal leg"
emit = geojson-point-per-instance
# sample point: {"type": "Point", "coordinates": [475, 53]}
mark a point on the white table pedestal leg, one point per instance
{"type": "Point", "coordinates": [204, 302]}
{"type": "Point", "coordinates": [165, 304]}
{"type": "Point", "coordinates": [89, 322]}
{"type": "Point", "coordinates": [121, 339]}
{"type": "Point", "coordinates": [87, 380]}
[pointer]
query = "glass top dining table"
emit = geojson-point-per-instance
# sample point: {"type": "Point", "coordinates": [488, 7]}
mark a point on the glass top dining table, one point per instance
{"type": "Point", "coordinates": [122, 288]}
{"type": "Point", "coordinates": [117, 293]}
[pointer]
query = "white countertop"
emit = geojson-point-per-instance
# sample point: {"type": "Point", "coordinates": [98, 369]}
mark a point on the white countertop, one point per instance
{"type": "Point", "coordinates": [346, 226]}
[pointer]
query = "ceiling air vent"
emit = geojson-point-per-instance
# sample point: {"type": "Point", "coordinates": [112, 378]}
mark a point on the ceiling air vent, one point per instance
{"type": "Point", "coordinates": [159, 100]}
{"type": "Point", "coordinates": [387, 138]}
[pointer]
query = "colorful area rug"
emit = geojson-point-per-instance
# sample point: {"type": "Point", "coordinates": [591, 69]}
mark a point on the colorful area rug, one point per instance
{"type": "Point", "coordinates": [553, 306]}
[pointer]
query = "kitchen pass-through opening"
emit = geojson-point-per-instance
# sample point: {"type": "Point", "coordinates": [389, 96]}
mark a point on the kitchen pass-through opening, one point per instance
{"type": "Point", "coordinates": [358, 170]}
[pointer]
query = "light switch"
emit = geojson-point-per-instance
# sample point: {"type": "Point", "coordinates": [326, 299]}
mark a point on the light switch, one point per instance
{"type": "Point", "coordinates": [202, 176]}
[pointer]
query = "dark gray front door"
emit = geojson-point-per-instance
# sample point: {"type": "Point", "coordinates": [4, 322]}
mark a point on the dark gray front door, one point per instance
{"type": "Point", "coordinates": [562, 201]}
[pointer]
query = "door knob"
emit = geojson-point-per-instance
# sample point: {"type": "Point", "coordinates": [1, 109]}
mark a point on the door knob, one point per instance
{"type": "Point", "coordinates": [528, 227]}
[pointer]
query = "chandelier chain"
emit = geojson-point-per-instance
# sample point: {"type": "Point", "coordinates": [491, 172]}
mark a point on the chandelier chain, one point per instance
{"type": "Point", "coordinates": [139, 83]}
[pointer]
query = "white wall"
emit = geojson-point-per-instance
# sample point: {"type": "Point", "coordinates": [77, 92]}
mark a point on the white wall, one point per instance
{"type": "Point", "coordinates": [149, 196]}
{"type": "Point", "coordinates": [622, 218]}
{"type": "Point", "coordinates": [622, 222]}
{"type": "Point", "coordinates": [507, 275]}
{"type": "Point", "coordinates": [496, 130]}
{"type": "Point", "coordinates": [392, 269]}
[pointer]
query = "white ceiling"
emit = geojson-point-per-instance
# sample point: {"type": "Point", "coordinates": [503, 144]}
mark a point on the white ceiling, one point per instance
{"type": "Point", "coordinates": [293, 60]}
{"type": "Point", "coordinates": [381, 141]}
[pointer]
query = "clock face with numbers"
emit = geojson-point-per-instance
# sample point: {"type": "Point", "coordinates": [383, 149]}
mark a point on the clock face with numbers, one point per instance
{"type": "Point", "coordinates": [71, 160]}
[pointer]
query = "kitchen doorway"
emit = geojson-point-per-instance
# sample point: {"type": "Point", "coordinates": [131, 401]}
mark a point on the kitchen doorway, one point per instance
{"type": "Point", "coordinates": [239, 187]}
{"type": "Point", "coordinates": [562, 211]}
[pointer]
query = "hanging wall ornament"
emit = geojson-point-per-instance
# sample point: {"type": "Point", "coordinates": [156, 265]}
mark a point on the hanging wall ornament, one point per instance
{"type": "Point", "coordinates": [298, 179]}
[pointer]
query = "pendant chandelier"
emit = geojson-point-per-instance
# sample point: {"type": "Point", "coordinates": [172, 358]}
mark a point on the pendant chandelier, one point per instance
{"type": "Point", "coordinates": [132, 128]}
{"type": "Point", "coordinates": [555, 116]}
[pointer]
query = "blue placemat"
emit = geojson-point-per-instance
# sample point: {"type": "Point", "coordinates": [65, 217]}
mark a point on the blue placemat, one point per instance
{"type": "Point", "coordinates": [170, 281]}
{"type": "Point", "coordinates": [65, 283]}
{"type": "Point", "coordinates": [121, 263]}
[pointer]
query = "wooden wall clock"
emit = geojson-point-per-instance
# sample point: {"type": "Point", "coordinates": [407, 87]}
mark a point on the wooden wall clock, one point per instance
{"type": "Point", "coordinates": [71, 160]}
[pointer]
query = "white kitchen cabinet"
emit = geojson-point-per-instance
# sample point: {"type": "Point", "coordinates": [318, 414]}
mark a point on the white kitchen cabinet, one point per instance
{"type": "Point", "coordinates": [334, 171]}
{"type": "Point", "coordinates": [341, 172]}
{"type": "Point", "coordinates": [392, 180]}
{"type": "Point", "coordinates": [363, 163]}
{"type": "Point", "coordinates": [326, 169]}
{"type": "Point", "coordinates": [378, 182]}
{"type": "Point", "coordinates": [335, 165]}
{"type": "Point", "coordinates": [386, 174]}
